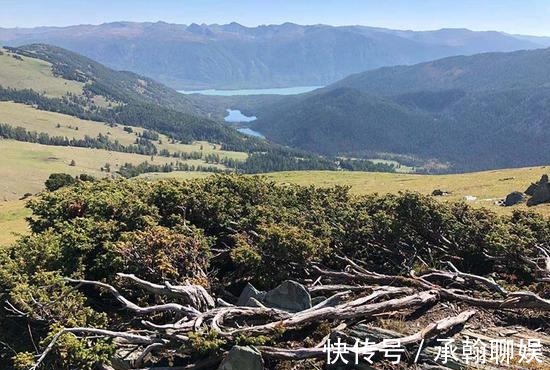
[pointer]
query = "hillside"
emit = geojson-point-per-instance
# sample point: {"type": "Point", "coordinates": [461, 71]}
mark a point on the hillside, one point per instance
{"type": "Point", "coordinates": [470, 113]}
{"type": "Point", "coordinates": [123, 97]}
{"type": "Point", "coordinates": [482, 72]}
{"type": "Point", "coordinates": [19, 156]}
{"type": "Point", "coordinates": [486, 187]}
{"type": "Point", "coordinates": [189, 274]}
{"type": "Point", "coordinates": [235, 56]}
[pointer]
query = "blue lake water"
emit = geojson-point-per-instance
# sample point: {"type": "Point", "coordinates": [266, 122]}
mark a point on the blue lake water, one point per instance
{"type": "Point", "coordinates": [250, 132]}
{"type": "Point", "coordinates": [274, 91]}
{"type": "Point", "coordinates": [236, 116]}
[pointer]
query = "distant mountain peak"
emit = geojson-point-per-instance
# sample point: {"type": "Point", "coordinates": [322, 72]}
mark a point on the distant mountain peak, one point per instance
{"type": "Point", "coordinates": [199, 56]}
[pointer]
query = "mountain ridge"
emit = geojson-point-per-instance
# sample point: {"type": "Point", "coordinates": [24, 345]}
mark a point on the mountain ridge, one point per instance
{"type": "Point", "coordinates": [478, 112]}
{"type": "Point", "coordinates": [237, 56]}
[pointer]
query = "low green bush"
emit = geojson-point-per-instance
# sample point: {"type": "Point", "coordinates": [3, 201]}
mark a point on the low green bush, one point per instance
{"type": "Point", "coordinates": [221, 232]}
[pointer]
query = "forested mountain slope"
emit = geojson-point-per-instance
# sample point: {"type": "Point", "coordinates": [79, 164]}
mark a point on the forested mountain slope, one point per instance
{"type": "Point", "coordinates": [478, 112]}
{"type": "Point", "coordinates": [96, 92]}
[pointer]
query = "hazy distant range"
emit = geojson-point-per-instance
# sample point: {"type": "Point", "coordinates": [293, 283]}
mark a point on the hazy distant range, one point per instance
{"type": "Point", "coordinates": [189, 57]}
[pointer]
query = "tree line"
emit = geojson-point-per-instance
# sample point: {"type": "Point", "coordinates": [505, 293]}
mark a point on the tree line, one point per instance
{"type": "Point", "coordinates": [141, 146]}
{"type": "Point", "coordinates": [129, 170]}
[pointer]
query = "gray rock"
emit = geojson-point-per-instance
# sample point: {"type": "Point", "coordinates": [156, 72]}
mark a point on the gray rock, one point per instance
{"type": "Point", "coordinates": [316, 300]}
{"type": "Point", "coordinates": [242, 358]}
{"type": "Point", "coordinates": [534, 186]}
{"type": "Point", "coordinates": [250, 292]}
{"type": "Point", "coordinates": [514, 198]}
{"type": "Point", "coordinates": [290, 296]}
{"type": "Point", "coordinates": [253, 302]}
{"type": "Point", "coordinates": [541, 194]}
{"type": "Point", "coordinates": [531, 189]}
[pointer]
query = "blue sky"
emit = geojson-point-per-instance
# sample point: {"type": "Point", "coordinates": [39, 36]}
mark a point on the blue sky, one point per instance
{"type": "Point", "coordinates": [513, 16]}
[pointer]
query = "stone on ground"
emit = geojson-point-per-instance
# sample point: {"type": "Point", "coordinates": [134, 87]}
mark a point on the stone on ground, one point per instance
{"type": "Point", "coordinates": [289, 296]}
{"type": "Point", "coordinates": [248, 292]}
{"type": "Point", "coordinates": [514, 198]}
{"type": "Point", "coordinates": [242, 358]}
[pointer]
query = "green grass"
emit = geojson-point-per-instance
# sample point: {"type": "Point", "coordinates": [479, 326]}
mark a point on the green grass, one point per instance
{"type": "Point", "coordinates": [487, 186]}
{"type": "Point", "coordinates": [25, 166]}
{"type": "Point", "coordinates": [12, 221]}
{"type": "Point", "coordinates": [32, 119]}
{"type": "Point", "coordinates": [34, 74]}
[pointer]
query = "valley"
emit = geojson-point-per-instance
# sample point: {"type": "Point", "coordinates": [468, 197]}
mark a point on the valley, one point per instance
{"type": "Point", "coordinates": [217, 196]}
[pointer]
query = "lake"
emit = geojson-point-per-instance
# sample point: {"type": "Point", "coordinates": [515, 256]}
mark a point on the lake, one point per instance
{"type": "Point", "coordinates": [273, 91]}
{"type": "Point", "coordinates": [250, 132]}
{"type": "Point", "coordinates": [235, 116]}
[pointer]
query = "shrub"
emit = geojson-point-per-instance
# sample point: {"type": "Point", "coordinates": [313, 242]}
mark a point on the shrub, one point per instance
{"type": "Point", "coordinates": [167, 230]}
{"type": "Point", "coordinates": [159, 254]}
{"type": "Point", "coordinates": [58, 180]}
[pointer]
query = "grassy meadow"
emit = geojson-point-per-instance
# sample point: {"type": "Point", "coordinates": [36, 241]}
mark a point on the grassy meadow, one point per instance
{"type": "Point", "coordinates": [36, 74]}
{"type": "Point", "coordinates": [12, 220]}
{"type": "Point", "coordinates": [32, 119]}
{"type": "Point", "coordinates": [487, 187]}
{"type": "Point", "coordinates": [25, 166]}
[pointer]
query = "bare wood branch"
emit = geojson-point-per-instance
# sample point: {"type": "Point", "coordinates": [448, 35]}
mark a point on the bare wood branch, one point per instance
{"type": "Point", "coordinates": [150, 348]}
{"type": "Point", "coordinates": [173, 307]}
{"type": "Point", "coordinates": [194, 295]}
{"type": "Point", "coordinates": [342, 312]}
{"type": "Point", "coordinates": [489, 283]}
{"type": "Point", "coordinates": [429, 331]}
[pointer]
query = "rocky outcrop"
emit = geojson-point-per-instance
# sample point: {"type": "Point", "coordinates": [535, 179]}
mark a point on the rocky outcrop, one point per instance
{"type": "Point", "coordinates": [540, 192]}
{"type": "Point", "coordinates": [242, 358]}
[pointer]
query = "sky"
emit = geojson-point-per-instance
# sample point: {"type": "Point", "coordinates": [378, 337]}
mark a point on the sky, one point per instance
{"type": "Point", "coordinates": [530, 17]}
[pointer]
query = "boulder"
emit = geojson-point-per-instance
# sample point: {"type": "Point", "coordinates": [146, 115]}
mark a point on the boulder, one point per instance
{"type": "Point", "coordinates": [541, 195]}
{"type": "Point", "coordinates": [514, 198]}
{"type": "Point", "coordinates": [242, 358]}
{"type": "Point", "coordinates": [531, 189]}
{"type": "Point", "coordinates": [534, 186]}
{"type": "Point", "coordinates": [248, 292]}
{"type": "Point", "coordinates": [289, 296]}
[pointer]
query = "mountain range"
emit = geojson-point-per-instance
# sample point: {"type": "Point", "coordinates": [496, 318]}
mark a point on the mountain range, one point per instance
{"type": "Point", "coordinates": [235, 56]}
{"type": "Point", "coordinates": [467, 113]}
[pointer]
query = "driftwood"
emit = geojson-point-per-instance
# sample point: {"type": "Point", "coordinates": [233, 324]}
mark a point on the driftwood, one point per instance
{"type": "Point", "coordinates": [511, 300]}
